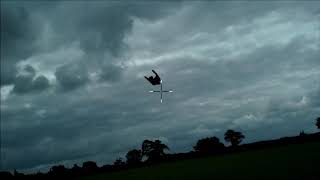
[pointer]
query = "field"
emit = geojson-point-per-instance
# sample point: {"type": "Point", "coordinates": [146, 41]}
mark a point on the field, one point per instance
{"type": "Point", "coordinates": [297, 161]}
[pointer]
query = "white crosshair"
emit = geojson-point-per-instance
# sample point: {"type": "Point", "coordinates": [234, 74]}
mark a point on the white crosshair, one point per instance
{"type": "Point", "coordinates": [161, 91]}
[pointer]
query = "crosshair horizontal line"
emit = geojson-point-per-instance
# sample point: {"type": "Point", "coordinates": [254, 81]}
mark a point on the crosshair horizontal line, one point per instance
{"type": "Point", "coordinates": [160, 91]}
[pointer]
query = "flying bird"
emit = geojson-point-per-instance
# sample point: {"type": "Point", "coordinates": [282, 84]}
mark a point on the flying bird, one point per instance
{"type": "Point", "coordinates": [156, 81]}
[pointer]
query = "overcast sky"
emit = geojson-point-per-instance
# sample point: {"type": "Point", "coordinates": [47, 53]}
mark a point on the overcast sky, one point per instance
{"type": "Point", "coordinates": [72, 85]}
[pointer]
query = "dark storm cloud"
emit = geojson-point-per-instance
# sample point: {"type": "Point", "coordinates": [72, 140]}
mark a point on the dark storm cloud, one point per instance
{"type": "Point", "coordinates": [29, 70]}
{"type": "Point", "coordinates": [41, 83]}
{"type": "Point", "coordinates": [27, 82]}
{"type": "Point", "coordinates": [22, 84]}
{"type": "Point", "coordinates": [102, 27]}
{"type": "Point", "coordinates": [61, 129]}
{"type": "Point", "coordinates": [314, 95]}
{"type": "Point", "coordinates": [110, 73]}
{"type": "Point", "coordinates": [17, 32]}
{"type": "Point", "coordinates": [17, 39]}
{"type": "Point", "coordinates": [99, 28]}
{"type": "Point", "coordinates": [244, 84]}
{"type": "Point", "coordinates": [264, 65]}
{"type": "Point", "coordinates": [71, 76]}
{"type": "Point", "coordinates": [7, 74]}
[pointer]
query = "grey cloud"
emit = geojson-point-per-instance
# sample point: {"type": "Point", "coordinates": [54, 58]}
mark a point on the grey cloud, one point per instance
{"type": "Point", "coordinates": [93, 25]}
{"type": "Point", "coordinates": [8, 72]}
{"type": "Point", "coordinates": [103, 29]}
{"type": "Point", "coordinates": [18, 36]}
{"type": "Point", "coordinates": [16, 32]}
{"type": "Point", "coordinates": [104, 26]}
{"type": "Point", "coordinates": [110, 73]}
{"type": "Point", "coordinates": [30, 70]}
{"type": "Point", "coordinates": [27, 83]}
{"type": "Point", "coordinates": [71, 76]}
{"type": "Point", "coordinates": [22, 84]}
{"type": "Point", "coordinates": [41, 83]}
{"type": "Point", "coordinates": [62, 129]}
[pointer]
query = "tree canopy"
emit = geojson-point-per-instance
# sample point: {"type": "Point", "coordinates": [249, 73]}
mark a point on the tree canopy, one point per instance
{"type": "Point", "coordinates": [134, 157]}
{"type": "Point", "coordinates": [233, 137]}
{"type": "Point", "coordinates": [208, 145]}
{"type": "Point", "coordinates": [154, 150]}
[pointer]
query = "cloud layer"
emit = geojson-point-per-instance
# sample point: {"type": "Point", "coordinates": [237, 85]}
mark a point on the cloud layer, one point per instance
{"type": "Point", "coordinates": [72, 82]}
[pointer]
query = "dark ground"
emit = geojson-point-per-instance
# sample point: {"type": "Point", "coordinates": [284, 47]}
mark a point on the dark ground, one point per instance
{"type": "Point", "coordinates": [295, 161]}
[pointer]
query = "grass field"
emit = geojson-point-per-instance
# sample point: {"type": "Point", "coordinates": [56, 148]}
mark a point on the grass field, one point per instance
{"type": "Point", "coordinates": [301, 161]}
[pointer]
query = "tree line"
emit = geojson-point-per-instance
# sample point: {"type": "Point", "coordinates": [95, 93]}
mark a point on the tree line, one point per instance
{"type": "Point", "coordinates": [154, 151]}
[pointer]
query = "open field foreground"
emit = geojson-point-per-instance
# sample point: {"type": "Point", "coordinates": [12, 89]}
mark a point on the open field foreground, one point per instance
{"type": "Point", "coordinates": [299, 161]}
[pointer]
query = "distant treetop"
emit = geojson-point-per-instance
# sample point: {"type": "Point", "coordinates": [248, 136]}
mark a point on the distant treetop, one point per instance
{"type": "Point", "coordinates": [233, 137]}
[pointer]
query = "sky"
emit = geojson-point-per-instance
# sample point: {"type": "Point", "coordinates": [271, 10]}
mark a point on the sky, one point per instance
{"type": "Point", "coordinates": [73, 87]}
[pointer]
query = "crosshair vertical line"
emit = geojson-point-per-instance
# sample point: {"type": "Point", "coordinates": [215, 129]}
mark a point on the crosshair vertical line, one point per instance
{"type": "Point", "coordinates": [161, 91]}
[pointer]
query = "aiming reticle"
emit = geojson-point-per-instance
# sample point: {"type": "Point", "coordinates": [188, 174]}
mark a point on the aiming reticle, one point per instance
{"type": "Point", "coordinates": [157, 81]}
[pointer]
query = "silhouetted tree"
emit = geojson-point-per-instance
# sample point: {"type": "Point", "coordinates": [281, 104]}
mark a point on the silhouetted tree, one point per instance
{"type": "Point", "coordinates": [106, 168]}
{"type": "Point", "coordinates": [233, 137]}
{"type": "Point", "coordinates": [153, 150]}
{"type": "Point", "coordinates": [318, 122]}
{"type": "Point", "coordinates": [76, 170]}
{"type": "Point", "coordinates": [89, 167]}
{"type": "Point", "coordinates": [209, 145]}
{"type": "Point", "coordinates": [134, 157]}
{"type": "Point", "coordinates": [39, 175]}
{"type": "Point", "coordinates": [302, 133]}
{"type": "Point", "coordinates": [17, 174]}
{"type": "Point", "coordinates": [147, 147]}
{"type": "Point", "coordinates": [58, 170]}
{"type": "Point", "coordinates": [5, 175]}
{"type": "Point", "coordinates": [119, 162]}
